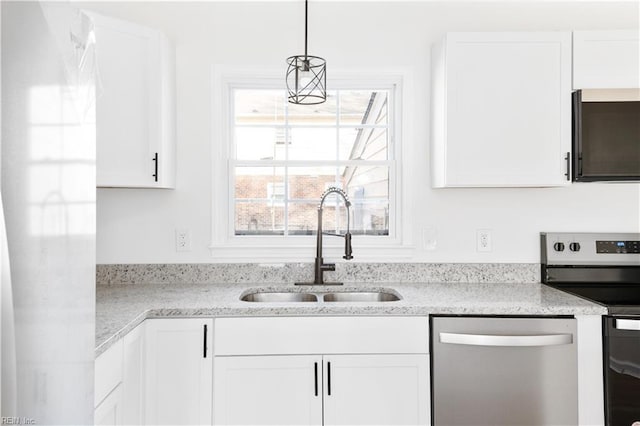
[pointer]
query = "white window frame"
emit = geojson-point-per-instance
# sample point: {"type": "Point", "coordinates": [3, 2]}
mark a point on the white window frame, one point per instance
{"type": "Point", "coordinates": [227, 247]}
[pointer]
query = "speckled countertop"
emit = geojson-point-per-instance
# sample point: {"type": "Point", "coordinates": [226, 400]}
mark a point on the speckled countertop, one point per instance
{"type": "Point", "coordinates": [119, 308]}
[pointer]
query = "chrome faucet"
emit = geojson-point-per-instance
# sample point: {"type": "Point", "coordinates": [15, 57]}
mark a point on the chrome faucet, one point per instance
{"type": "Point", "coordinates": [320, 266]}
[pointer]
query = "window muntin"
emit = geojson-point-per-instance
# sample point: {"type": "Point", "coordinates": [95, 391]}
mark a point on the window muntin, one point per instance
{"type": "Point", "coordinates": [302, 150]}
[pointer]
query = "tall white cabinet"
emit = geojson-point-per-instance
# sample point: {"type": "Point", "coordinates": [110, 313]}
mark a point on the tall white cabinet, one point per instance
{"type": "Point", "coordinates": [135, 106]}
{"type": "Point", "coordinates": [501, 109]}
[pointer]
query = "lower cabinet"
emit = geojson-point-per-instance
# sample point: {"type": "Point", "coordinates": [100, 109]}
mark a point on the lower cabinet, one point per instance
{"type": "Point", "coordinates": [178, 371]}
{"type": "Point", "coordinates": [322, 389]}
{"type": "Point", "coordinates": [267, 371]}
{"type": "Point", "coordinates": [321, 371]}
{"type": "Point", "coordinates": [158, 373]}
{"type": "Point", "coordinates": [376, 389]}
{"type": "Point", "coordinates": [270, 390]}
{"type": "Point", "coordinates": [109, 411]}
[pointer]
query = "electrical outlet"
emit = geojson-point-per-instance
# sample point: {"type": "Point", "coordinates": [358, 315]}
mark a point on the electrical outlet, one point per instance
{"type": "Point", "coordinates": [183, 240]}
{"type": "Point", "coordinates": [429, 238]}
{"type": "Point", "coordinates": [483, 240]}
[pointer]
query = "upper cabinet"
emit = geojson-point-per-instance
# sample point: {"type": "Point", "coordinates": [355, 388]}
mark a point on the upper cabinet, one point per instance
{"type": "Point", "coordinates": [135, 109]}
{"type": "Point", "coordinates": [501, 109]}
{"type": "Point", "coordinates": [606, 59]}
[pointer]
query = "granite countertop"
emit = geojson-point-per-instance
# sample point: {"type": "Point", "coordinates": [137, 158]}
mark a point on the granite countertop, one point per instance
{"type": "Point", "coordinates": [120, 308]}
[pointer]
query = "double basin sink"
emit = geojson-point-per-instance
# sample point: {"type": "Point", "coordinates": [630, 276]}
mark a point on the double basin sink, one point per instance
{"type": "Point", "coordinates": [328, 296]}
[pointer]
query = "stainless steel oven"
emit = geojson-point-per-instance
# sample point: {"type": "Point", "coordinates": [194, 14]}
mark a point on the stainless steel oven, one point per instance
{"type": "Point", "coordinates": [605, 268]}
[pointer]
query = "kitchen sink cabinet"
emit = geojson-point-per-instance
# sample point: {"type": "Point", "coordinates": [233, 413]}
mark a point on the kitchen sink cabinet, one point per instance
{"type": "Point", "coordinates": [312, 371]}
{"type": "Point", "coordinates": [178, 371]}
{"type": "Point", "coordinates": [135, 105]}
{"type": "Point", "coordinates": [273, 390]}
{"type": "Point", "coordinates": [606, 59]}
{"type": "Point", "coordinates": [377, 389]}
{"type": "Point", "coordinates": [305, 389]}
{"type": "Point", "coordinates": [501, 109]}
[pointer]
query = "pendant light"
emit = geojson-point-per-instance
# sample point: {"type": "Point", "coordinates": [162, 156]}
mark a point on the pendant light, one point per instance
{"type": "Point", "coordinates": [306, 75]}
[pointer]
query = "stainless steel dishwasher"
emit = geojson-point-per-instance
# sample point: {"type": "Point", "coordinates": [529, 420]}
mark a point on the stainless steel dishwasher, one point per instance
{"type": "Point", "coordinates": [504, 371]}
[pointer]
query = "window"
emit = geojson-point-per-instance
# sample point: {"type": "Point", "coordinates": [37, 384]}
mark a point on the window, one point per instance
{"type": "Point", "coordinates": [284, 156]}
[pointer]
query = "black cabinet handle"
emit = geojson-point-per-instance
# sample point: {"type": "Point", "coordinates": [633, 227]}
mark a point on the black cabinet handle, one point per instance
{"type": "Point", "coordinates": [155, 160]}
{"type": "Point", "coordinates": [567, 159]}
{"type": "Point", "coordinates": [329, 378]}
{"type": "Point", "coordinates": [315, 373]}
{"type": "Point", "coordinates": [204, 353]}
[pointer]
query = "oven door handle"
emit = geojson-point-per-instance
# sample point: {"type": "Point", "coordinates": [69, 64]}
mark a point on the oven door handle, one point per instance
{"type": "Point", "coordinates": [510, 340]}
{"type": "Point", "coordinates": [627, 324]}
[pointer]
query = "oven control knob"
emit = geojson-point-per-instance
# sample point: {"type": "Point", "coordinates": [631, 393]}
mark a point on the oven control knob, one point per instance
{"type": "Point", "coordinates": [574, 246]}
{"type": "Point", "coordinates": [558, 246]}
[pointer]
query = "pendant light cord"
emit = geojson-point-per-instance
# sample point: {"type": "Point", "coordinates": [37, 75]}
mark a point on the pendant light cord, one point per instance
{"type": "Point", "coordinates": [305, 28]}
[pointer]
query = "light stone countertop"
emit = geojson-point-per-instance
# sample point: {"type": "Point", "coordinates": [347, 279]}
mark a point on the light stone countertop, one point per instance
{"type": "Point", "coordinates": [120, 308]}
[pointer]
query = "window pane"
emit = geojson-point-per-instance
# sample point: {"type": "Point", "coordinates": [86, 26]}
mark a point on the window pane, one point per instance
{"type": "Point", "coordinates": [313, 144]}
{"type": "Point", "coordinates": [363, 144]}
{"type": "Point", "coordinates": [260, 183]}
{"type": "Point", "coordinates": [367, 182]}
{"type": "Point", "coordinates": [322, 114]}
{"type": "Point", "coordinates": [370, 218]}
{"type": "Point", "coordinates": [259, 106]}
{"type": "Point", "coordinates": [303, 218]}
{"type": "Point", "coordinates": [260, 143]}
{"type": "Point", "coordinates": [259, 218]}
{"type": "Point", "coordinates": [363, 107]}
{"type": "Point", "coordinates": [308, 183]}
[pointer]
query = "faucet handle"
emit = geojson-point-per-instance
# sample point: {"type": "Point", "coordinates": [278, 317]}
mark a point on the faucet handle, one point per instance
{"type": "Point", "coordinates": [347, 247]}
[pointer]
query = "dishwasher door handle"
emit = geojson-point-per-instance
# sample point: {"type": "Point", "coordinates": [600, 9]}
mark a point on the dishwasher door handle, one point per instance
{"type": "Point", "coordinates": [511, 340]}
{"type": "Point", "coordinates": [627, 324]}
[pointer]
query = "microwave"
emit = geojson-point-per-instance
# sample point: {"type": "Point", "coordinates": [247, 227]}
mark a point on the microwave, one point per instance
{"type": "Point", "coordinates": [606, 135]}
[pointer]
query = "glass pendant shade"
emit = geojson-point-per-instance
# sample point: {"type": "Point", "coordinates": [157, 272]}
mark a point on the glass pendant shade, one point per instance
{"type": "Point", "coordinates": [306, 80]}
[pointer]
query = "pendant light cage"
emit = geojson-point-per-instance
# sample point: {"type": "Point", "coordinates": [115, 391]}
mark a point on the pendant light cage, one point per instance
{"type": "Point", "coordinates": [306, 75]}
{"type": "Point", "coordinates": [306, 80]}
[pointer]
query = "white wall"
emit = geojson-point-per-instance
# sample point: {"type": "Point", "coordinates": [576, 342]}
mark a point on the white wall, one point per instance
{"type": "Point", "coordinates": [137, 226]}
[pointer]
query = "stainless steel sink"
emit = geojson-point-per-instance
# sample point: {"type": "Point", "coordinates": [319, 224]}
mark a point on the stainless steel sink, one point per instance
{"type": "Point", "coordinates": [277, 297]}
{"type": "Point", "coordinates": [360, 296]}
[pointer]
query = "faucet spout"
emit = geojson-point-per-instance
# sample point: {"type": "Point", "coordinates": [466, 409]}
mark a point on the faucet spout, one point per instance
{"type": "Point", "coordinates": [320, 266]}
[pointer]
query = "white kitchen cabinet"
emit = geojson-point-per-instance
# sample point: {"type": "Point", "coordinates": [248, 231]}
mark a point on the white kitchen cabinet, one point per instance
{"type": "Point", "coordinates": [133, 376]}
{"type": "Point", "coordinates": [501, 109]}
{"type": "Point", "coordinates": [135, 106]}
{"type": "Point", "coordinates": [606, 59]}
{"type": "Point", "coordinates": [268, 390]}
{"type": "Point", "coordinates": [108, 397]}
{"type": "Point", "coordinates": [178, 371]}
{"type": "Point", "coordinates": [376, 389]}
{"type": "Point", "coordinates": [302, 390]}
{"type": "Point", "coordinates": [330, 370]}
{"type": "Point", "coordinates": [110, 411]}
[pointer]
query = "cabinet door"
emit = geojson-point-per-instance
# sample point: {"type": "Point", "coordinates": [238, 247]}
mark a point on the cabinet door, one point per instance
{"type": "Point", "coordinates": [133, 125]}
{"type": "Point", "coordinates": [133, 376]}
{"type": "Point", "coordinates": [502, 113]}
{"type": "Point", "coordinates": [109, 411]}
{"type": "Point", "coordinates": [376, 389]}
{"type": "Point", "coordinates": [178, 371]}
{"type": "Point", "coordinates": [606, 59]}
{"type": "Point", "coordinates": [268, 390]}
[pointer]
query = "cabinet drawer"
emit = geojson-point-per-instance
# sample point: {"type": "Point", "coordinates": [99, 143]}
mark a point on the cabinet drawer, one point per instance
{"type": "Point", "coordinates": [327, 335]}
{"type": "Point", "coordinates": [108, 372]}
